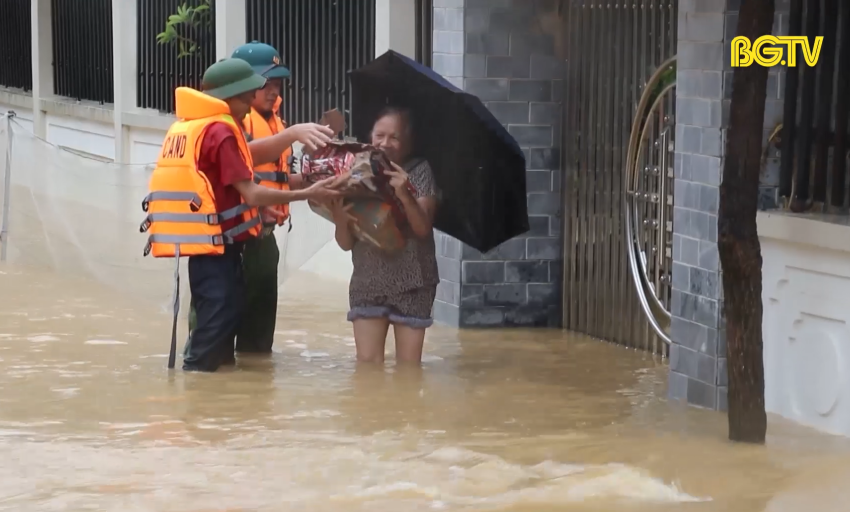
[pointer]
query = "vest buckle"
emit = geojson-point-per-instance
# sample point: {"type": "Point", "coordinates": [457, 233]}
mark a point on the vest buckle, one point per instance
{"type": "Point", "coordinates": [145, 225]}
{"type": "Point", "coordinates": [213, 219]}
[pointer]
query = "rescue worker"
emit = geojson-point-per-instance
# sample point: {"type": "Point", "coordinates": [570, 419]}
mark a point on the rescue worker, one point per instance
{"type": "Point", "coordinates": [262, 256]}
{"type": "Point", "coordinates": [270, 141]}
{"type": "Point", "coordinates": [203, 203]}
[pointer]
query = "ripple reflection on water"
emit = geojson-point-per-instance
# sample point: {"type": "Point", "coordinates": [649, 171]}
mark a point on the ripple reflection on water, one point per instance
{"type": "Point", "coordinates": [498, 420]}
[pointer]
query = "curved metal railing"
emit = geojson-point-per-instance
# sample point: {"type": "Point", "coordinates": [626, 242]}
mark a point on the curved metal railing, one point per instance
{"type": "Point", "coordinates": [649, 197]}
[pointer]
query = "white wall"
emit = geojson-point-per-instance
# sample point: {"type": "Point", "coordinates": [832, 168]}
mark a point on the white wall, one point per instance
{"type": "Point", "coordinates": [395, 27]}
{"type": "Point", "coordinates": [806, 284]}
{"type": "Point", "coordinates": [125, 134]}
{"type": "Point", "coordinates": [309, 246]}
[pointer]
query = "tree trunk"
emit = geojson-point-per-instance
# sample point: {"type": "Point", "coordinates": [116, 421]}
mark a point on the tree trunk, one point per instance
{"type": "Point", "coordinates": [738, 243]}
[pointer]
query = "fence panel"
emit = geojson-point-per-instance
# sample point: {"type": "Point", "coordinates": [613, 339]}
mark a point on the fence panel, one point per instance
{"type": "Point", "coordinates": [16, 44]}
{"type": "Point", "coordinates": [424, 31]}
{"type": "Point", "coordinates": [82, 49]}
{"type": "Point", "coordinates": [814, 135]}
{"type": "Point", "coordinates": [160, 70]}
{"type": "Point", "coordinates": [319, 41]}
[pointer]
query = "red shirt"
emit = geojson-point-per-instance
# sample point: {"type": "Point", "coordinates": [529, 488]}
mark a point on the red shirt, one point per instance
{"type": "Point", "coordinates": [221, 161]}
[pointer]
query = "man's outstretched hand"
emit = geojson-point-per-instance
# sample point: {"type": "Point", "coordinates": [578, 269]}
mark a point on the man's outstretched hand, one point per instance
{"type": "Point", "coordinates": [322, 191]}
{"type": "Point", "coordinates": [312, 135]}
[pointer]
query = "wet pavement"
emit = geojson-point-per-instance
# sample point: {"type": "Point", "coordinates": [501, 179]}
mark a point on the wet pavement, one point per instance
{"type": "Point", "coordinates": [507, 420]}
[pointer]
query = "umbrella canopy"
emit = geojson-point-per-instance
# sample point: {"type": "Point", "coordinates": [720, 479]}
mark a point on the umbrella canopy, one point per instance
{"type": "Point", "coordinates": [477, 164]}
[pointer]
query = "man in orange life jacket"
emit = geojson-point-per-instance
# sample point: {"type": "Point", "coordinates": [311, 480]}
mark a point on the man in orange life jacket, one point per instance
{"type": "Point", "coordinates": [261, 257]}
{"type": "Point", "coordinates": [264, 128]}
{"type": "Point", "coordinates": [203, 203]}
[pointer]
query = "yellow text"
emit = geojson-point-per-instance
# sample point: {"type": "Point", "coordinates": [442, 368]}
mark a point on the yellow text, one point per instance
{"type": "Point", "coordinates": [768, 51]}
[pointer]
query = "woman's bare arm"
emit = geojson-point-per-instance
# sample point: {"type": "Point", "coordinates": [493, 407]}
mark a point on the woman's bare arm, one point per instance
{"type": "Point", "coordinates": [343, 235]}
{"type": "Point", "coordinates": [420, 213]}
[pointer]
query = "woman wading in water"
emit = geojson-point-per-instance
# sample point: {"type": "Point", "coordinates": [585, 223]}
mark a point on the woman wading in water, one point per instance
{"type": "Point", "coordinates": [398, 289]}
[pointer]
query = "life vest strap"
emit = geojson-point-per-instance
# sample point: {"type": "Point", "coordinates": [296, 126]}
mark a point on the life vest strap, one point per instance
{"type": "Point", "coordinates": [179, 240]}
{"type": "Point", "coordinates": [193, 198]}
{"type": "Point", "coordinates": [197, 218]}
{"type": "Point", "coordinates": [232, 213]}
{"type": "Point", "coordinates": [172, 352]}
{"type": "Point", "coordinates": [235, 231]}
{"type": "Point", "coordinates": [211, 219]}
{"type": "Point", "coordinates": [273, 176]}
{"type": "Point", "coordinates": [225, 238]}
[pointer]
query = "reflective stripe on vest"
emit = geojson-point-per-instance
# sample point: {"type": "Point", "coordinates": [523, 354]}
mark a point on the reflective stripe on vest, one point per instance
{"type": "Point", "coordinates": [182, 216]}
{"type": "Point", "coordinates": [211, 219]}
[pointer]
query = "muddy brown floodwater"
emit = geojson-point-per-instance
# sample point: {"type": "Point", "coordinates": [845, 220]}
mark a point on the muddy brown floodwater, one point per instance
{"type": "Point", "coordinates": [516, 420]}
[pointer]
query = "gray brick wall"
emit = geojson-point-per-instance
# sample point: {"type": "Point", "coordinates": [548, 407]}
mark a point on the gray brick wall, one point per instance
{"type": "Point", "coordinates": [449, 60]}
{"type": "Point", "coordinates": [698, 354]}
{"type": "Point", "coordinates": [512, 67]}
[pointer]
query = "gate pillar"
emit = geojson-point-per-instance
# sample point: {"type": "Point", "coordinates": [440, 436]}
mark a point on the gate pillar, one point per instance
{"type": "Point", "coordinates": [698, 349]}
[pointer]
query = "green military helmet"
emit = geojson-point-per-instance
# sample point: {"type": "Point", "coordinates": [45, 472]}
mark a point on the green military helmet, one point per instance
{"type": "Point", "coordinates": [263, 58]}
{"type": "Point", "coordinates": [231, 77]}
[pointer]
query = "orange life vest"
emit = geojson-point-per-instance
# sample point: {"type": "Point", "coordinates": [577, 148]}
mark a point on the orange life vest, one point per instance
{"type": "Point", "coordinates": [182, 216]}
{"type": "Point", "coordinates": [273, 174]}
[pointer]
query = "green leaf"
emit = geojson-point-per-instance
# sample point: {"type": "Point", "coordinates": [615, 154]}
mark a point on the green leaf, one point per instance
{"type": "Point", "coordinates": [202, 8]}
{"type": "Point", "coordinates": [175, 18]}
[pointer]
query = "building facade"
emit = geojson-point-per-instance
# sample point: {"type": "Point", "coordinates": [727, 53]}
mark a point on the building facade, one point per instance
{"type": "Point", "coordinates": [566, 78]}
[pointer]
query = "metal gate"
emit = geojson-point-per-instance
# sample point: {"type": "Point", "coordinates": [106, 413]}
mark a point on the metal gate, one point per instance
{"type": "Point", "coordinates": [618, 153]}
{"type": "Point", "coordinates": [319, 41]}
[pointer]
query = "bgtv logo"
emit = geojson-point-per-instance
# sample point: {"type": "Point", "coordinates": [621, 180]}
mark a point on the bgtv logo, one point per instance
{"type": "Point", "coordinates": [769, 51]}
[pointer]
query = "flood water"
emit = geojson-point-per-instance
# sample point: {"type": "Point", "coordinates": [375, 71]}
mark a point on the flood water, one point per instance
{"type": "Point", "coordinates": [90, 419]}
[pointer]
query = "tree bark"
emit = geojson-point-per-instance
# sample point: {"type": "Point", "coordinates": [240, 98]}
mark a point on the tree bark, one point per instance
{"type": "Point", "coordinates": [738, 243]}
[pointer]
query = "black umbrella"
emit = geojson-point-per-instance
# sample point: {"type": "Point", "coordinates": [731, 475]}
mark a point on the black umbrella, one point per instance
{"type": "Point", "coordinates": [477, 164]}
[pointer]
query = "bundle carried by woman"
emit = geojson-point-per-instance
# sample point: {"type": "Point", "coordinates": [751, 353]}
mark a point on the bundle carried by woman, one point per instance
{"type": "Point", "coordinates": [375, 211]}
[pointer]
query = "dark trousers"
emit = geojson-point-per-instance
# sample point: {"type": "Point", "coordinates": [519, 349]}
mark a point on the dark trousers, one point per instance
{"type": "Point", "coordinates": [255, 333]}
{"type": "Point", "coordinates": [218, 296]}
{"type": "Point", "coordinates": [256, 330]}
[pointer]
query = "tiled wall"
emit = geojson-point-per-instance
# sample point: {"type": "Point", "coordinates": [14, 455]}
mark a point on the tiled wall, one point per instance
{"type": "Point", "coordinates": [704, 85]}
{"type": "Point", "coordinates": [500, 51]}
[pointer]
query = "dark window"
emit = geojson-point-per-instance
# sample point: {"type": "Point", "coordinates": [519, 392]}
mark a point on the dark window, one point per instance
{"type": "Point", "coordinates": [160, 71]}
{"type": "Point", "coordinates": [16, 44]}
{"type": "Point", "coordinates": [319, 41]}
{"type": "Point", "coordinates": [82, 49]}
{"type": "Point", "coordinates": [424, 31]}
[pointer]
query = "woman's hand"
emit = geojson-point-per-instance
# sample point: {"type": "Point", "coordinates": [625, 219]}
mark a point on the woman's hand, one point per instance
{"type": "Point", "coordinates": [399, 181]}
{"type": "Point", "coordinates": [339, 210]}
